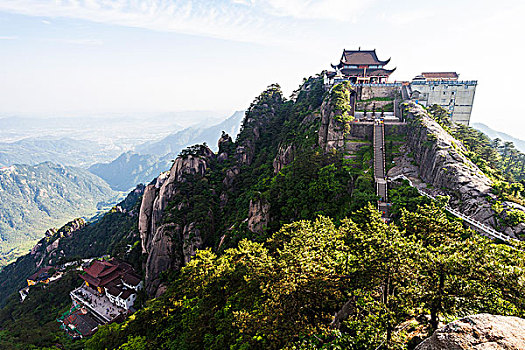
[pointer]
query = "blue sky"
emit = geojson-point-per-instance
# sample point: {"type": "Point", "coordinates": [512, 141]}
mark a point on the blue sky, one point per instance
{"type": "Point", "coordinates": [71, 57]}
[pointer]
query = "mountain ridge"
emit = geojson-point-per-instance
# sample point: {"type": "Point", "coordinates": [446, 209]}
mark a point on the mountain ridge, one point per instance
{"type": "Point", "coordinates": [151, 158]}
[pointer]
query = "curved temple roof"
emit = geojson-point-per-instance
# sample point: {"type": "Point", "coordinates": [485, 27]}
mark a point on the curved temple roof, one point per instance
{"type": "Point", "coordinates": [360, 58]}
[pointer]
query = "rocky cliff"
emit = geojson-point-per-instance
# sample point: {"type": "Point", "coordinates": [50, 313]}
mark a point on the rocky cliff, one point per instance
{"type": "Point", "coordinates": [334, 126]}
{"type": "Point", "coordinates": [478, 332]}
{"type": "Point", "coordinates": [169, 244]}
{"type": "Point", "coordinates": [443, 165]}
{"type": "Point", "coordinates": [45, 252]}
{"type": "Point", "coordinates": [210, 200]}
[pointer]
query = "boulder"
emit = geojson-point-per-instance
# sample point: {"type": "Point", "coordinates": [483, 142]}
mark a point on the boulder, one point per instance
{"type": "Point", "coordinates": [479, 332]}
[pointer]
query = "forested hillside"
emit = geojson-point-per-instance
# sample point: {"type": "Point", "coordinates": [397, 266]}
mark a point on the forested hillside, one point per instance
{"type": "Point", "coordinates": [35, 198]}
{"type": "Point", "coordinates": [355, 284]}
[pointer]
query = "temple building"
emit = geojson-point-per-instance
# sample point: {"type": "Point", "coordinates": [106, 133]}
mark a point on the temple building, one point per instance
{"type": "Point", "coordinates": [108, 293]}
{"type": "Point", "coordinates": [359, 67]}
{"type": "Point", "coordinates": [41, 276]}
{"type": "Point", "coordinates": [100, 274]}
{"type": "Point", "coordinates": [445, 89]}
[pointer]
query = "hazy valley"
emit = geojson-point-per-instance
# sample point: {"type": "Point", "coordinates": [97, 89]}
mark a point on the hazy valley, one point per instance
{"type": "Point", "coordinates": [77, 168]}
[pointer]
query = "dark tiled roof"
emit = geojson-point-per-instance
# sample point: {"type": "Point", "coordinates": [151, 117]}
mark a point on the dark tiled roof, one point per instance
{"type": "Point", "coordinates": [107, 271]}
{"type": "Point", "coordinates": [100, 273]}
{"type": "Point", "coordinates": [131, 279]}
{"type": "Point", "coordinates": [440, 75]}
{"type": "Point", "coordinates": [126, 294]}
{"type": "Point", "coordinates": [84, 323]}
{"type": "Point", "coordinates": [92, 281]}
{"type": "Point", "coordinates": [97, 268]}
{"type": "Point", "coordinates": [361, 57]}
{"type": "Point", "coordinates": [109, 278]}
{"type": "Point", "coordinates": [40, 274]}
{"type": "Point", "coordinates": [115, 291]}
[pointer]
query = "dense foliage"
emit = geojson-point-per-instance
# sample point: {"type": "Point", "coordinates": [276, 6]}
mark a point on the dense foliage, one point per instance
{"type": "Point", "coordinates": [384, 284]}
{"type": "Point", "coordinates": [32, 324]}
{"type": "Point", "coordinates": [340, 97]}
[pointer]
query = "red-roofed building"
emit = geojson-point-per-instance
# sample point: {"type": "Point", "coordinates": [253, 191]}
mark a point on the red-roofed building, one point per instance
{"type": "Point", "coordinates": [79, 324]}
{"type": "Point", "coordinates": [100, 273]}
{"type": "Point", "coordinates": [437, 76]}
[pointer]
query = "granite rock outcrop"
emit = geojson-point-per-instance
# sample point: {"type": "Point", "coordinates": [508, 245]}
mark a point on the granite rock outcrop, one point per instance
{"type": "Point", "coordinates": [477, 332]}
{"type": "Point", "coordinates": [443, 164]}
{"type": "Point", "coordinates": [165, 243]}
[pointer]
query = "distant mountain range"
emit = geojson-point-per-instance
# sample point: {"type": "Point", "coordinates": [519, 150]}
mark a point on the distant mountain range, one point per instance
{"type": "Point", "coordinates": [151, 158]}
{"type": "Point", "coordinates": [37, 194]}
{"type": "Point", "coordinates": [520, 144]}
{"type": "Point", "coordinates": [35, 198]}
{"type": "Point", "coordinates": [61, 151]}
{"type": "Point", "coordinates": [174, 143]}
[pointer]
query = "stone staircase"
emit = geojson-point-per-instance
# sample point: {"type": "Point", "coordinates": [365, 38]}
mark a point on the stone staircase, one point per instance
{"type": "Point", "coordinates": [379, 167]}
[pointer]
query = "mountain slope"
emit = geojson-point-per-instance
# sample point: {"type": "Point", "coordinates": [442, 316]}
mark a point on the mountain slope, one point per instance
{"type": "Point", "coordinates": [260, 245]}
{"type": "Point", "coordinates": [130, 169]}
{"type": "Point", "coordinates": [113, 234]}
{"type": "Point", "coordinates": [520, 144]}
{"type": "Point", "coordinates": [34, 198]}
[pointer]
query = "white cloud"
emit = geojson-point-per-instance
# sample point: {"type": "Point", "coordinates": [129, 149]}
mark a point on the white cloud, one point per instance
{"type": "Point", "coordinates": [8, 37]}
{"type": "Point", "coordinates": [240, 20]}
{"type": "Point", "coordinates": [408, 17]}
{"type": "Point", "coordinates": [341, 10]}
{"type": "Point", "coordinates": [82, 42]}
{"type": "Point", "coordinates": [223, 19]}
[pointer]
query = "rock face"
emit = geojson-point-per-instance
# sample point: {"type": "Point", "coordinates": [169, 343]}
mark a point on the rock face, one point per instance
{"type": "Point", "coordinates": [285, 155]}
{"type": "Point", "coordinates": [483, 331]}
{"type": "Point", "coordinates": [258, 215]}
{"type": "Point", "coordinates": [167, 244]}
{"type": "Point", "coordinates": [332, 131]}
{"type": "Point", "coordinates": [46, 249]}
{"type": "Point", "coordinates": [443, 165]}
{"type": "Point", "coordinates": [173, 225]}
